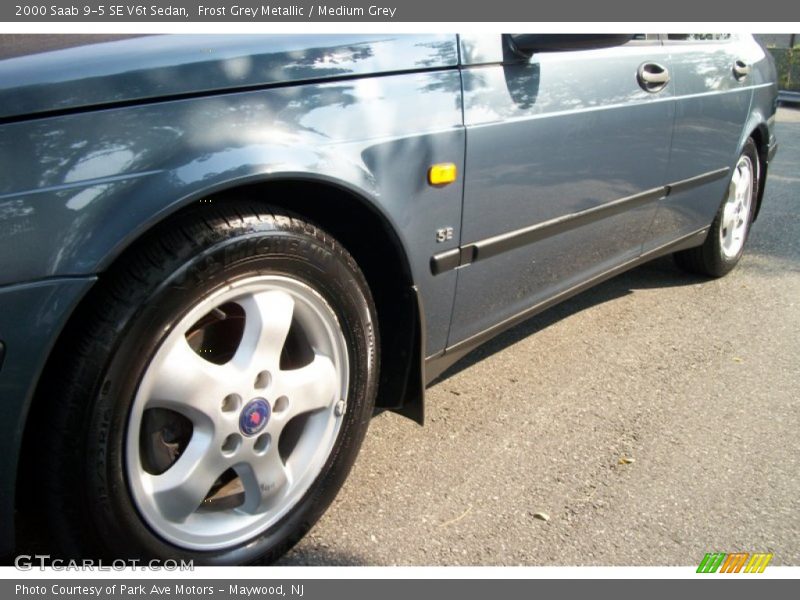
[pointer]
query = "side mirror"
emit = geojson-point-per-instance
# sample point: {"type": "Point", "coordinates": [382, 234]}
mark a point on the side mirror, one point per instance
{"type": "Point", "coordinates": [525, 44]}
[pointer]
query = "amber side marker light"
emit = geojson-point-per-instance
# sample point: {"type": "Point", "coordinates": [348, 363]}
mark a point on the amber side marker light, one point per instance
{"type": "Point", "coordinates": [442, 173]}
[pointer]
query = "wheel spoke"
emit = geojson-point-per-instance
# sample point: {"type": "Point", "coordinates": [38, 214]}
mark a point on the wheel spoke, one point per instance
{"type": "Point", "coordinates": [747, 191]}
{"type": "Point", "coordinates": [186, 383]}
{"type": "Point", "coordinates": [265, 480]}
{"type": "Point", "coordinates": [729, 216]}
{"type": "Point", "coordinates": [738, 177]}
{"type": "Point", "coordinates": [180, 490]}
{"type": "Point", "coordinates": [268, 317]}
{"type": "Point", "coordinates": [309, 388]}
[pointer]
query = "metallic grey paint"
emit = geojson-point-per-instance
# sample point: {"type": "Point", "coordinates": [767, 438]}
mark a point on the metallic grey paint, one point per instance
{"type": "Point", "coordinates": [155, 67]}
{"type": "Point", "coordinates": [562, 133]}
{"type": "Point", "coordinates": [100, 142]}
{"type": "Point", "coordinates": [712, 105]}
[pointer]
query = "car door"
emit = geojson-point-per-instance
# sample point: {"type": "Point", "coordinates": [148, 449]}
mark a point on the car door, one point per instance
{"type": "Point", "coordinates": [566, 158]}
{"type": "Point", "coordinates": [713, 90]}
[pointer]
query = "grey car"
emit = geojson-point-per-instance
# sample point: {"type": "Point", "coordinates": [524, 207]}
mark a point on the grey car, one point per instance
{"type": "Point", "coordinates": [220, 255]}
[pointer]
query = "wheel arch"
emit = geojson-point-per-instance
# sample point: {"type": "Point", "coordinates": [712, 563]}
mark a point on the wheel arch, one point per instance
{"type": "Point", "coordinates": [759, 133]}
{"type": "Point", "coordinates": [373, 241]}
{"type": "Point", "coordinates": [368, 236]}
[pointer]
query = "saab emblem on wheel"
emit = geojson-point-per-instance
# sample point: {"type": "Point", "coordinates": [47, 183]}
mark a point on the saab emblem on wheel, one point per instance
{"type": "Point", "coordinates": [254, 417]}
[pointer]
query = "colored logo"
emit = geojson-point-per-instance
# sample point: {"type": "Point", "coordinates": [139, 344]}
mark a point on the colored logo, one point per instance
{"type": "Point", "coordinates": [741, 562]}
{"type": "Point", "coordinates": [254, 416]}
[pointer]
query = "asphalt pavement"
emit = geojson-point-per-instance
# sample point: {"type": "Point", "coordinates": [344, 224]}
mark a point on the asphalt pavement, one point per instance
{"type": "Point", "coordinates": [645, 422]}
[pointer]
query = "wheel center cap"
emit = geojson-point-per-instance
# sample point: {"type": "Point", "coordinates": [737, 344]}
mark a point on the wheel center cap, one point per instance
{"type": "Point", "coordinates": [254, 416]}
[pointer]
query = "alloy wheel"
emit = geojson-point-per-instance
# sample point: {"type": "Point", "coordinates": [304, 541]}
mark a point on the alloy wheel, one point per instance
{"type": "Point", "coordinates": [736, 211]}
{"type": "Point", "coordinates": [237, 412]}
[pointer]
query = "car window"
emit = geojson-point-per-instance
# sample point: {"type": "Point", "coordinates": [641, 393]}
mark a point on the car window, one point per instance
{"type": "Point", "coordinates": [643, 38]}
{"type": "Point", "coordinates": [699, 37]}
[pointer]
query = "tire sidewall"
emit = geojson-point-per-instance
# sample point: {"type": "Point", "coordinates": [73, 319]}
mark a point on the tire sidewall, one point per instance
{"type": "Point", "coordinates": [276, 252]}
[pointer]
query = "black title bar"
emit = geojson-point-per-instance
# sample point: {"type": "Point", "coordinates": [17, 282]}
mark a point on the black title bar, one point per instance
{"type": "Point", "coordinates": [188, 11]}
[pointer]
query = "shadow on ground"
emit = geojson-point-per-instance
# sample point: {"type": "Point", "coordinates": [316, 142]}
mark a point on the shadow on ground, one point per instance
{"type": "Point", "coordinates": [660, 273]}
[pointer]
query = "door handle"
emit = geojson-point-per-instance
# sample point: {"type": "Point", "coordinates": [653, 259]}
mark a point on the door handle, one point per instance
{"type": "Point", "coordinates": [652, 77]}
{"type": "Point", "coordinates": [740, 69]}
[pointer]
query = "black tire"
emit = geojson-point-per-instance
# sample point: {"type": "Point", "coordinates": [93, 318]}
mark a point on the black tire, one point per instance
{"type": "Point", "coordinates": [81, 476]}
{"type": "Point", "coordinates": [709, 259]}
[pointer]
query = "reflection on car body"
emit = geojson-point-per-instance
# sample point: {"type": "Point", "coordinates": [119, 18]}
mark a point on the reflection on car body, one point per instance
{"type": "Point", "coordinates": [218, 255]}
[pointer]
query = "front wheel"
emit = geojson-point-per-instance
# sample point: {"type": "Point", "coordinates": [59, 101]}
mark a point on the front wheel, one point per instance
{"type": "Point", "coordinates": [724, 245]}
{"type": "Point", "coordinates": [216, 395]}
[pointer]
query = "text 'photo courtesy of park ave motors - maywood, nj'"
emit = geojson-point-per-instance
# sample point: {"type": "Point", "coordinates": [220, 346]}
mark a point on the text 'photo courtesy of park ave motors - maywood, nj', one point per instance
{"type": "Point", "coordinates": [159, 589]}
